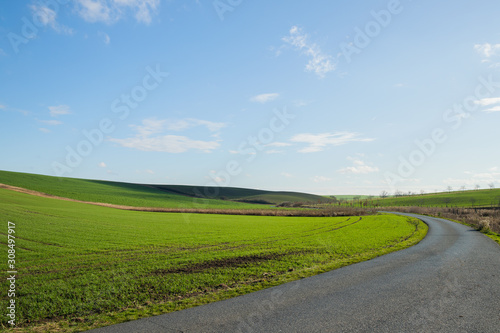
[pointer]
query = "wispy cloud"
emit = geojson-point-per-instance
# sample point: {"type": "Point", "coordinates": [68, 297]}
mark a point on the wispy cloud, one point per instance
{"type": "Point", "coordinates": [167, 144]}
{"type": "Point", "coordinates": [148, 136]}
{"type": "Point", "coordinates": [10, 109]}
{"type": "Point", "coordinates": [490, 102]}
{"type": "Point", "coordinates": [321, 179]}
{"type": "Point", "coordinates": [47, 17]}
{"type": "Point", "coordinates": [320, 63]}
{"type": "Point", "coordinates": [2, 52]}
{"type": "Point", "coordinates": [264, 98]}
{"type": "Point", "coordinates": [105, 37]}
{"type": "Point", "coordinates": [102, 165]}
{"type": "Point", "coordinates": [359, 167]}
{"type": "Point", "coordinates": [492, 175]}
{"type": "Point", "coordinates": [274, 151]}
{"type": "Point", "coordinates": [111, 11]}
{"type": "Point", "coordinates": [51, 122]}
{"type": "Point", "coordinates": [319, 142]}
{"type": "Point", "coordinates": [59, 110]}
{"type": "Point", "coordinates": [278, 144]}
{"type": "Point", "coordinates": [493, 109]}
{"type": "Point", "coordinates": [44, 130]}
{"type": "Point", "coordinates": [487, 50]}
{"type": "Point", "coordinates": [183, 124]}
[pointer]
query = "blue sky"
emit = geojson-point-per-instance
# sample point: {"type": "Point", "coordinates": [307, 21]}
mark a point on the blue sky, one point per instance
{"type": "Point", "coordinates": [326, 97]}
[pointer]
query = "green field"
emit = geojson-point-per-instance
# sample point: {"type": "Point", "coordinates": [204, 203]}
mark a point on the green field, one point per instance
{"type": "Point", "coordinates": [165, 196]}
{"type": "Point", "coordinates": [82, 266]}
{"type": "Point", "coordinates": [473, 198]}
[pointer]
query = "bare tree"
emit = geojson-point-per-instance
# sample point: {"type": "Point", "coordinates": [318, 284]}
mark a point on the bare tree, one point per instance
{"type": "Point", "coordinates": [491, 185]}
{"type": "Point", "coordinates": [384, 194]}
{"type": "Point", "coordinates": [449, 188]}
{"type": "Point", "coordinates": [477, 187]}
{"type": "Point", "coordinates": [422, 192]}
{"type": "Point", "coordinates": [462, 188]}
{"type": "Point", "coordinates": [398, 193]}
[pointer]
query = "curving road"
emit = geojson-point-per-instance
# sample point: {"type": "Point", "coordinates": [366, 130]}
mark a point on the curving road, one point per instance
{"type": "Point", "coordinates": [449, 282]}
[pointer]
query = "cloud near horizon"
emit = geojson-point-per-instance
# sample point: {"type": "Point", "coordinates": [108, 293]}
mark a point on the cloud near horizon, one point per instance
{"type": "Point", "coordinates": [319, 142]}
{"type": "Point", "coordinates": [359, 167]}
{"type": "Point", "coordinates": [147, 138]}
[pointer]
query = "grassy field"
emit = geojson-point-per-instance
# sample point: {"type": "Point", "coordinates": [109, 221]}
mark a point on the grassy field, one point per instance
{"type": "Point", "coordinates": [82, 266]}
{"type": "Point", "coordinates": [479, 198]}
{"type": "Point", "coordinates": [164, 196]}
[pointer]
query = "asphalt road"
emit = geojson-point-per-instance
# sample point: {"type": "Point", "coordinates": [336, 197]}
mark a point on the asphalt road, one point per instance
{"type": "Point", "coordinates": [449, 282]}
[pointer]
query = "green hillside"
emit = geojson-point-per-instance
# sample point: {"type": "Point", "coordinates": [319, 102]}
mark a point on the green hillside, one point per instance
{"type": "Point", "coordinates": [111, 192]}
{"type": "Point", "coordinates": [473, 198]}
{"type": "Point", "coordinates": [242, 194]}
{"type": "Point", "coordinates": [143, 195]}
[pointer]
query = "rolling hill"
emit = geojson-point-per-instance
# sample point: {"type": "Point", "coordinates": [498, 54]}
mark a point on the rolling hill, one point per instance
{"type": "Point", "coordinates": [471, 198]}
{"type": "Point", "coordinates": [146, 195]}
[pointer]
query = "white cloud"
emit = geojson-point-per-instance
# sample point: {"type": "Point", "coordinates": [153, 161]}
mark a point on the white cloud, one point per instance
{"type": "Point", "coordinates": [47, 17]}
{"type": "Point", "coordinates": [51, 122]}
{"type": "Point", "coordinates": [147, 138]}
{"type": "Point", "coordinates": [487, 50]}
{"type": "Point", "coordinates": [2, 52]}
{"type": "Point", "coordinates": [102, 165]}
{"type": "Point", "coordinates": [111, 11]}
{"type": "Point", "coordinates": [105, 37]}
{"type": "Point", "coordinates": [264, 98]}
{"type": "Point", "coordinates": [95, 11]}
{"type": "Point", "coordinates": [59, 110]}
{"type": "Point", "coordinates": [321, 179]}
{"type": "Point", "coordinates": [167, 144]}
{"type": "Point", "coordinates": [2, 106]}
{"type": "Point", "coordinates": [300, 103]}
{"type": "Point", "coordinates": [274, 151]}
{"type": "Point", "coordinates": [179, 125]}
{"type": "Point", "coordinates": [319, 62]}
{"type": "Point", "coordinates": [286, 174]}
{"type": "Point", "coordinates": [359, 168]}
{"type": "Point", "coordinates": [279, 144]}
{"type": "Point", "coordinates": [491, 176]}
{"type": "Point", "coordinates": [151, 172]}
{"type": "Point", "coordinates": [319, 142]}
{"type": "Point", "coordinates": [493, 109]}
{"type": "Point", "coordinates": [488, 101]}
{"type": "Point", "coordinates": [44, 130]}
